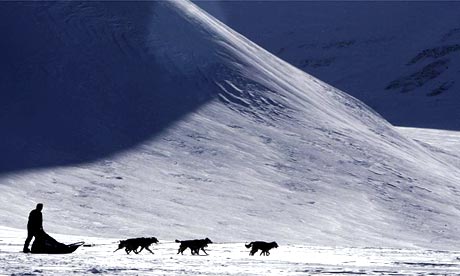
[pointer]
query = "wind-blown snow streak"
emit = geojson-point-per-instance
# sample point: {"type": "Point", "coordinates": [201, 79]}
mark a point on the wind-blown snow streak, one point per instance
{"type": "Point", "coordinates": [275, 155]}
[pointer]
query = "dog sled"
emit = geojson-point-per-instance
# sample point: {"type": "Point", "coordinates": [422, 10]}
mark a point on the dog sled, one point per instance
{"type": "Point", "coordinates": [45, 244]}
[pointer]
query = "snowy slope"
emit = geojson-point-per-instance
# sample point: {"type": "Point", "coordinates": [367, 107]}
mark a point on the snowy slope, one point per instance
{"type": "Point", "coordinates": [183, 128]}
{"type": "Point", "coordinates": [399, 57]}
{"type": "Point", "coordinates": [445, 143]}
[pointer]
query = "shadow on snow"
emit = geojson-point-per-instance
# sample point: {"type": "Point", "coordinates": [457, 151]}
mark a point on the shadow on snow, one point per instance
{"type": "Point", "coordinates": [81, 81]}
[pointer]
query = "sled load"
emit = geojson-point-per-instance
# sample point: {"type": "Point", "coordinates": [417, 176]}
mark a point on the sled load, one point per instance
{"type": "Point", "coordinates": [45, 244]}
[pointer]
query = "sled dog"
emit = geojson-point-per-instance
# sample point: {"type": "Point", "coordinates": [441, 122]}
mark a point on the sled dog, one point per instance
{"type": "Point", "coordinates": [194, 245]}
{"type": "Point", "coordinates": [134, 244]}
{"type": "Point", "coordinates": [265, 247]}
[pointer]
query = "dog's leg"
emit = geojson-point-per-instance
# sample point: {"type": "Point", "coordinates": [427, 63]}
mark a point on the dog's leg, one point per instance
{"type": "Point", "coordinates": [203, 251]}
{"type": "Point", "coordinates": [127, 251]}
{"type": "Point", "coordinates": [147, 248]}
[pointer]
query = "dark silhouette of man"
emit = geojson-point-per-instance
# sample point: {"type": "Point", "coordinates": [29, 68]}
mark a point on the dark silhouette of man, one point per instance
{"type": "Point", "coordinates": [34, 226]}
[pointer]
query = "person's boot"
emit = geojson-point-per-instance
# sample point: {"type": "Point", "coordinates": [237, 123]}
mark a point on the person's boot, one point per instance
{"type": "Point", "coordinates": [26, 250]}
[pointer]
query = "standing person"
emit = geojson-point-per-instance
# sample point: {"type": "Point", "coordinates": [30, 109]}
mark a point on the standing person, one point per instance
{"type": "Point", "coordinates": [34, 226]}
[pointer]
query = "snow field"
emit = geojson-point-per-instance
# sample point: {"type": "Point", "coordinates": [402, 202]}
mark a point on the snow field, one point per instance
{"type": "Point", "coordinates": [223, 259]}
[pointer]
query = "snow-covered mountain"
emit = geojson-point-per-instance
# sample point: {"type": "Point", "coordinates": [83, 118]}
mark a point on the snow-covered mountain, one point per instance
{"type": "Point", "coordinates": [399, 57]}
{"type": "Point", "coordinates": [154, 118]}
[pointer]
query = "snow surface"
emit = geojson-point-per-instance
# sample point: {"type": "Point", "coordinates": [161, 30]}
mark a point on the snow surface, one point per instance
{"type": "Point", "coordinates": [264, 152]}
{"type": "Point", "coordinates": [443, 142]}
{"type": "Point", "coordinates": [223, 259]}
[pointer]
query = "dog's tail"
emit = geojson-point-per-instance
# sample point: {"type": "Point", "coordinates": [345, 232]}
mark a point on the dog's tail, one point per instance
{"type": "Point", "coordinates": [116, 250]}
{"type": "Point", "coordinates": [178, 241]}
{"type": "Point", "coordinates": [248, 245]}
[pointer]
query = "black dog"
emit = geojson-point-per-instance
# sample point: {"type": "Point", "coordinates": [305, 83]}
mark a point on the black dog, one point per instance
{"type": "Point", "coordinates": [263, 246]}
{"type": "Point", "coordinates": [134, 244]}
{"type": "Point", "coordinates": [194, 245]}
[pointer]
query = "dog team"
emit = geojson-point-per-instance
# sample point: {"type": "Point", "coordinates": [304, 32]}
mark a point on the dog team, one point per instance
{"type": "Point", "coordinates": [138, 244]}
